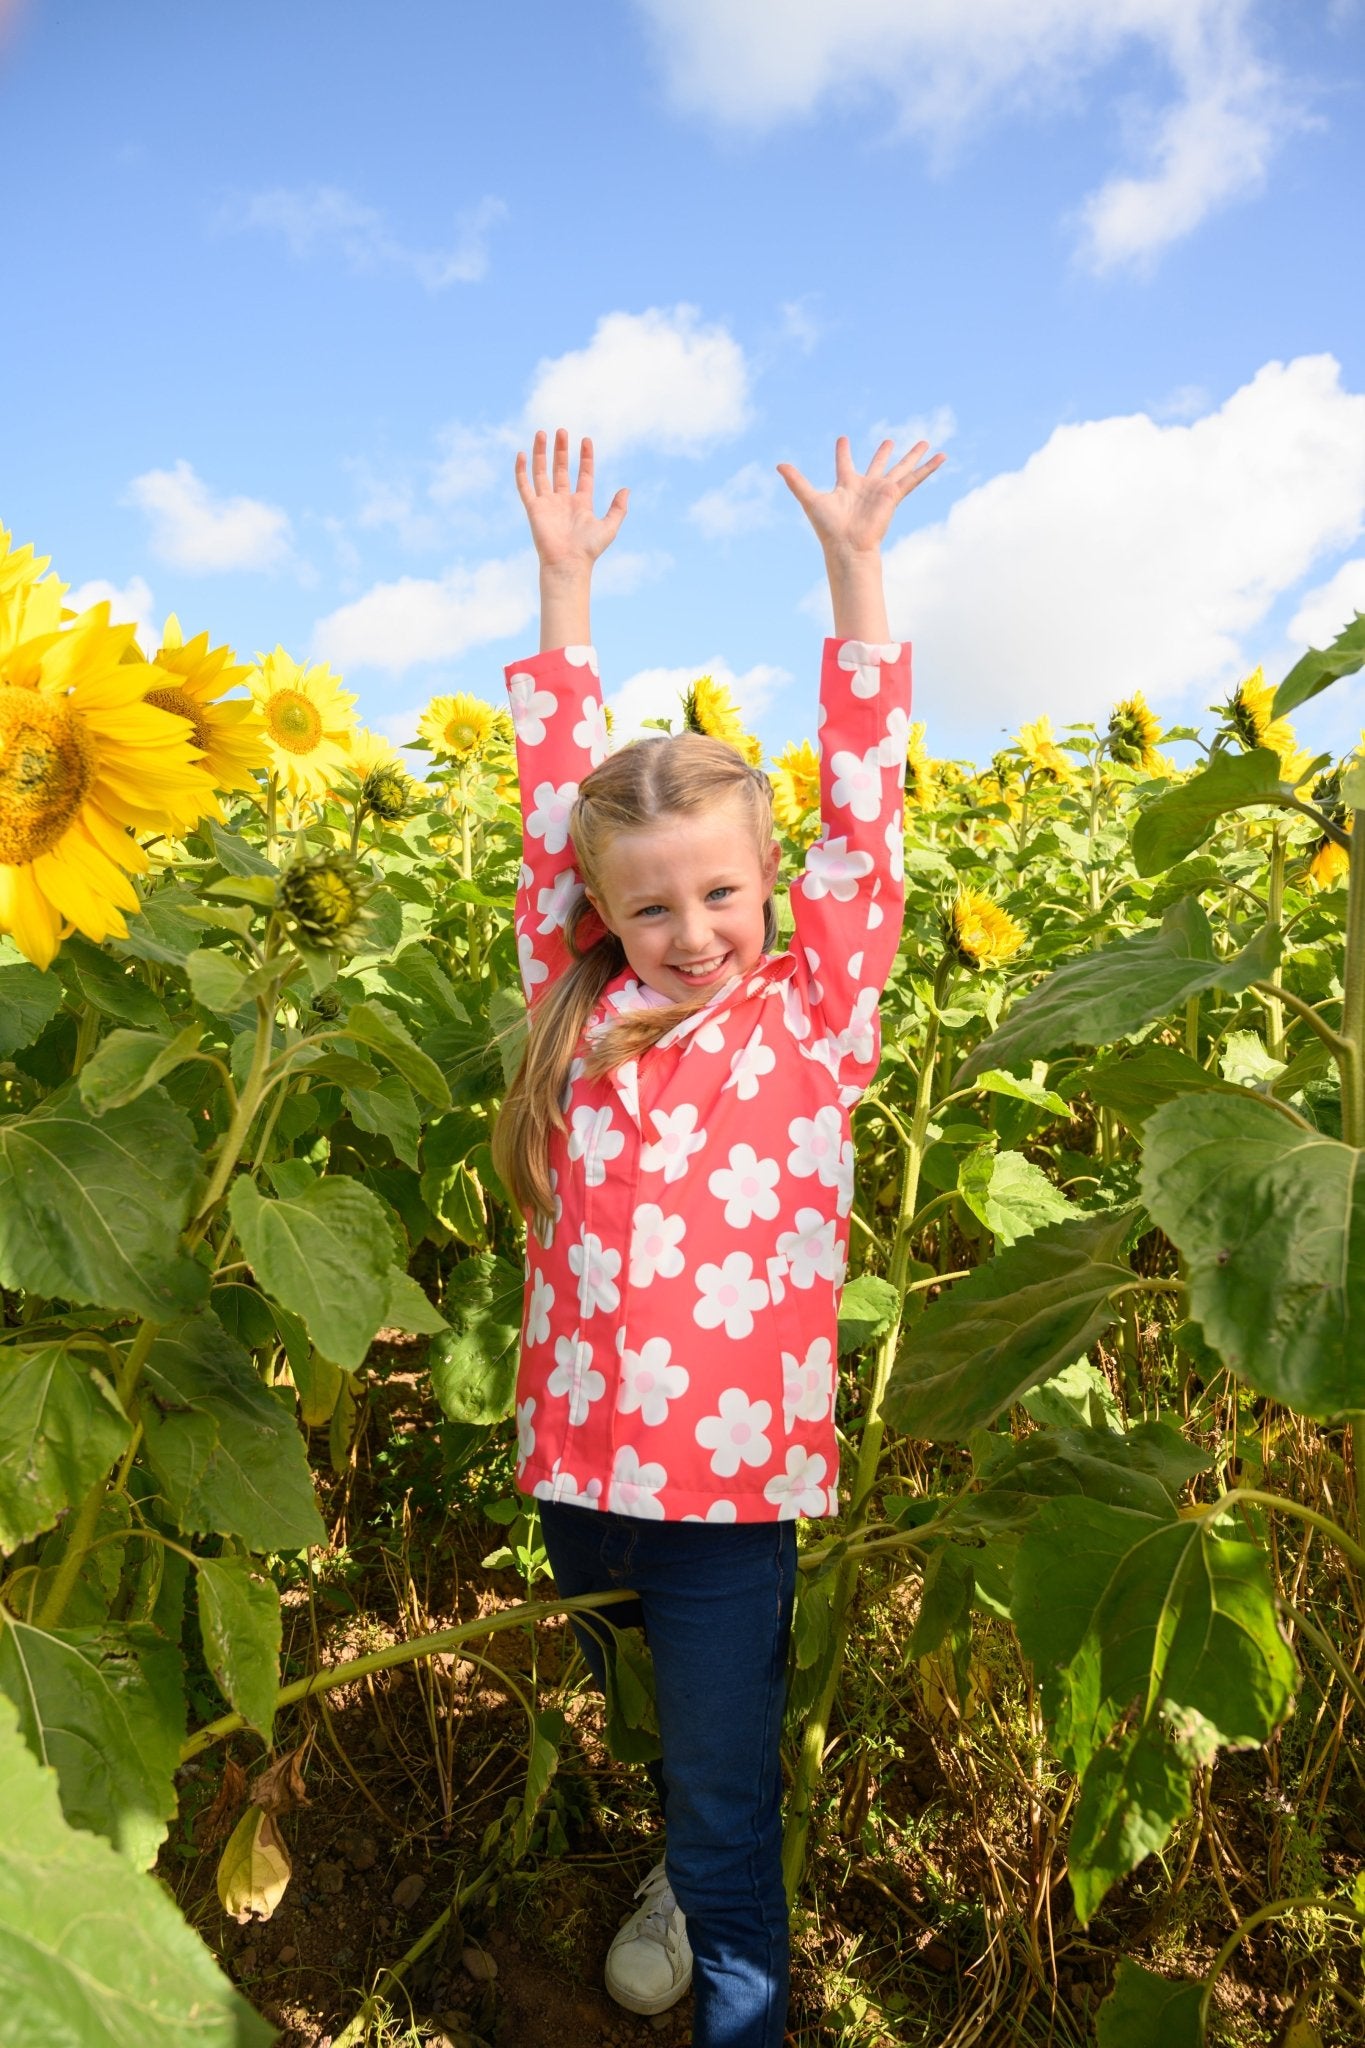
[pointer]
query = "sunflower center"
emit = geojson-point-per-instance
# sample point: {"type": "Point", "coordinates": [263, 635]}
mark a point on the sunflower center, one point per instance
{"type": "Point", "coordinates": [47, 764]}
{"type": "Point", "coordinates": [184, 706]}
{"type": "Point", "coordinates": [293, 721]}
{"type": "Point", "coordinates": [461, 735]}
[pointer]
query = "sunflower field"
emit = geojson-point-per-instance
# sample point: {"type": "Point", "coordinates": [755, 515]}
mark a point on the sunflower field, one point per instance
{"type": "Point", "coordinates": [1078, 1683]}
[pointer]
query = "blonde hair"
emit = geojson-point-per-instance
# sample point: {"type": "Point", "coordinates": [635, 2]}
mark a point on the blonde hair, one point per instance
{"type": "Point", "coordinates": [639, 786]}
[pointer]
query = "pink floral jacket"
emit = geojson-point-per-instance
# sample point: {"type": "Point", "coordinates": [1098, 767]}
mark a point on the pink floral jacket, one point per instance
{"type": "Point", "coordinates": [679, 1343]}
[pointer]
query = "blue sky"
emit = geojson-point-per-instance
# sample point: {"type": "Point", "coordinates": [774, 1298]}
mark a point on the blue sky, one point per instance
{"type": "Point", "coordinates": [288, 285]}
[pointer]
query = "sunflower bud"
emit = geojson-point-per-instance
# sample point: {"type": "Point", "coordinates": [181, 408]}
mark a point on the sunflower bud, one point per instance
{"type": "Point", "coordinates": [387, 793]}
{"type": "Point", "coordinates": [326, 897]}
{"type": "Point", "coordinates": [326, 1004]}
{"type": "Point", "coordinates": [978, 933]}
{"type": "Point", "coordinates": [1133, 733]}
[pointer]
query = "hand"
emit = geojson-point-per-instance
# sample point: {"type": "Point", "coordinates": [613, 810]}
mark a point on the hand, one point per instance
{"type": "Point", "coordinates": [852, 519]}
{"type": "Point", "coordinates": [567, 533]}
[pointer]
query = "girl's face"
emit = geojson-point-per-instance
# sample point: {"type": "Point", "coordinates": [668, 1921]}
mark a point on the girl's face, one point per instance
{"type": "Point", "coordinates": [685, 897]}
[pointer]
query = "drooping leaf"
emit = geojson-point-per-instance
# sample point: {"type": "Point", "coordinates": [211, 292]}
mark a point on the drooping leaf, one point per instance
{"type": "Point", "coordinates": [1270, 1221]}
{"type": "Point", "coordinates": [1105, 996]}
{"type": "Point", "coordinates": [632, 1719]}
{"type": "Point", "coordinates": [945, 1599]}
{"type": "Point", "coordinates": [1143, 2009]}
{"type": "Point", "coordinates": [1132, 1794]}
{"type": "Point", "coordinates": [60, 1429]}
{"type": "Point", "coordinates": [319, 1384]}
{"type": "Point", "coordinates": [388, 1109]}
{"type": "Point", "coordinates": [226, 1452]}
{"type": "Point", "coordinates": [254, 1869]}
{"type": "Point", "coordinates": [29, 999]}
{"type": "Point", "coordinates": [414, 975]}
{"type": "Point", "coordinates": [376, 1026]}
{"type": "Point", "coordinates": [237, 854]}
{"type": "Point", "coordinates": [110, 986]}
{"type": "Point", "coordinates": [1009, 1325]}
{"type": "Point", "coordinates": [1313, 671]}
{"type": "Point", "coordinates": [164, 931]}
{"type": "Point", "coordinates": [1009, 1194]}
{"type": "Point", "coordinates": [1134, 1087]}
{"type": "Point", "coordinates": [127, 1063]}
{"type": "Point", "coordinates": [218, 981]}
{"type": "Point", "coordinates": [868, 1309]}
{"type": "Point", "coordinates": [92, 1207]}
{"type": "Point", "coordinates": [1096, 1464]}
{"type": "Point", "coordinates": [1182, 820]}
{"type": "Point", "coordinates": [474, 1366]}
{"type": "Point", "coordinates": [106, 1708]}
{"type": "Point", "coordinates": [410, 1309]}
{"type": "Point", "coordinates": [91, 1951]}
{"type": "Point", "coordinates": [239, 1617]}
{"type": "Point", "coordinates": [325, 1253]}
{"type": "Point", "coordinates": [996, 1082]}
{"type": "Point", "coordinates": [1077, 1395]}
{"type": "Point", "coordinates": [507, 1022]}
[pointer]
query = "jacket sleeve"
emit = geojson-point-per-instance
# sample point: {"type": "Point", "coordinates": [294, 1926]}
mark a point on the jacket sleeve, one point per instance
{"type": "Point", "coordinates": [849, 901]}
{"type": "Point", "coordinates": [561, 728]}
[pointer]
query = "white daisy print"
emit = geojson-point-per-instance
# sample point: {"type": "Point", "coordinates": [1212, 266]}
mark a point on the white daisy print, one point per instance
{"type": "Point", "coordinates": [596, 1266]}
{"type": "Point", "coordinates": [794, 1013]}
{"type": "Point", "coordinates": [547, 1225]}
{"type": "Point", "coordinates": [729, 1295]}
{"type": "Point", "coordinates": [576, 1376]}
{"type": "Point", "coordinates": [593, 1140]}
{"type": "Point", "coordinates": [635, 1488]}
{"type": "Point", "coordinates": [831, 870]}
{"type": "Point", "coordinates": [591, 731]}
{"type": "Point", "coordinates": [555, 903]}
{"type": "Point", "coordinates": [809, 1249]}
{"type": "Point", "coordinates": [895, 849]}
{"type": "Point", "coordinates": [735, 1436]}
{"type": "Point", "coordinates": [748, 1066]}
{"type": "Point", "coordinates": [582, 657]}
{"type": "Point", "coordinates": [857, 784]}
{"type": "Point", "coordinates": [815, 1145]}
{"type": "Point", "coordinates": [649, 1379]}
{"type": "Point", "coordinates": [864, 658]}
{"type": "Point", "coordinates": [562, 1486]}
{"type": "Point", "coordinates": [678, 1139]}
{"type": "Point", "coordinates": [746, 1186]}
{"type": "Point", "coordinates": [891, 749]}
{"type": "Point", "coordinates": [807, 1384]}
{"type": "Point", "coordinates": [654, 1245]}
{"type": "Point", "coordinates": [844, 1182]}
{"type": "Point", "coordinates": [531, 707]}
{"type": "Point", "coordinates": [710, 1036]}
{"type": "Point", "coordinates": [549, 819]}
{"type": "Point", "coordinates": [533, 971]}
{"type": "Point", "coordinates": [526, 1433]}
{"type": "Point", "coordinates": [800, 1490]}
{"type": "Point", "coordinates": [538, 1310]}
{"type": "Point", "coordinates": [719, 1511]}
{"type": "Point", "coordinates": [858, 1039]}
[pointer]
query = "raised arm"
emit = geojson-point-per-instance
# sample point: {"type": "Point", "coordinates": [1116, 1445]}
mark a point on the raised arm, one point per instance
{"type": "Point", "coordinates": [568, 537]}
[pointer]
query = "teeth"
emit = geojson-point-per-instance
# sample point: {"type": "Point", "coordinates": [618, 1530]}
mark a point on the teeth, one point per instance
{"type": "Point", "coordinates": [702, 966]}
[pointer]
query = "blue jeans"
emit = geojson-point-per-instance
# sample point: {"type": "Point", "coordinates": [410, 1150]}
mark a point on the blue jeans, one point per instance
{"type": "Point", "coordinates": [715, 1603]}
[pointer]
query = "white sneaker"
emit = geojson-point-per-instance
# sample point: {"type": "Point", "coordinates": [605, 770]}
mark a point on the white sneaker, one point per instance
{"type": "Point", "coordinates": [649, 1964]}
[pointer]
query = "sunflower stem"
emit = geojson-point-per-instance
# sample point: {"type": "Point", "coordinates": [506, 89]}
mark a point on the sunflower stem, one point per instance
{"type": "Point", "coordinates": [1275, 919]}
{"type": "Point", "coordinates": [248, 1102]}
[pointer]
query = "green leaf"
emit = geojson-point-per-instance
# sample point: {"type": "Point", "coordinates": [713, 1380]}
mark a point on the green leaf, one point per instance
{"type": "Point", "coordinates": [375, 1026]}
{"type": "Point", "coordinates": [1177, 823]}
{"type": "Point", "coordinates": [1117, 1609]}
{"type": "Point", "coordinates": [325, 1253]}
{"type": "Point", "coordinates": [92, 1952]}
{"type": "Point", "coordinates": [60, 1430]}
{"type": "Point", "coordinates": [1009, 1194]}
{"type": "Point", "coordinates": [127, 1063]}
{"type": "Point", "coordinates": [1132, 1795]}
{"type": "Point", "coordinates": [474, 1367]}
{"type": "Point", "coordinates": [1313, 671]}
{"type": "Point", "coordinates": [1201, 873]}
{"type": "Point", "coordinates": [29, 999]}
{"type": "Point", "coordinates": [1269, 1219]}
{"type": "Point", "coordinates": [945, 1599]}
{"type": "Point", "coordinates": [1134, 1087]}
{"type": "Point", "coordinates": [632, 1719]}
{"type": "Point", "coordinates": [1098, 1464]}
{"type": "Point", "coordinates": [239, 1618]}
{"type": "Point", "coordinates": [105, 1707]}
{"type": "Point", "coordinates": [218, 981]}
{"type": "Point", "coordinates": [415, 976]}
{"type": "Point", "coordinates": [409, 1309]}
{"type": "Point", "coordinates": [1143, 2009]}
{"type": "Point", "coordinates": [257, 892]}
{"type": "Point", "coordinates": [1078, 1395]}
{"type": "Point", "coordinates": [1105, 996]}
{"type": "Point", "coordinates": [507, 1023]}
{"type": "Point", "coordinates": [92, 1208]}
{"type": "Point", "coordinates": [1247, 1063]}
{"type": "Point", "coordinates": [318, 1383]}
{"type": "Point", "coordinates": [226, 1452]}
{"type": "Point", "coordinates": [868, 1309]}
{"type": "Point", "coordinates": [389, 1110]}
{"type": "Point", "coordinates": [1009, 1325]}
{"type": "Point", "coordinates": [163, 931]}
{"type": "Point", "coordinates": [236, 854]}
{"type": "Point", "coordinates": [996, 1082]}
{"type": "Point", "coordinates": [110, 986]}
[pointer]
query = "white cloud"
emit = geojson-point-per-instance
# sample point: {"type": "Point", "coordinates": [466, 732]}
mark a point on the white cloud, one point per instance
{"type": "Point", "coordinates": [659, 378]}
{"type": "Point", "coordinates": [397, 626]}
{"type": "Point", "coordinates": [655, 693]}
{"type": "Point", "coordinates": [1128, 555]}
{"type": "Point", "coordinates": [623, 571]}
{"type": "Point", "coordinates": [324, 216]}
{"type": "Point", "coordinates": [935, 427]}
{"type": "Point", "coordinates": [739, 505]}
{"type": "Point", "coordinates": [129, 606]}
{"type": "Point", "coordinates": [194, 530]}
{"type": "Point", "coordinates": [950, 65]}
{"type": "Point", "coordinates": [471, 460]}
{"type": "Point", "coordinates": [1329, 609]}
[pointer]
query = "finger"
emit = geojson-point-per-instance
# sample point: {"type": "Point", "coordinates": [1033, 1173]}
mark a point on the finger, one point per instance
{"type": "Point", "coordinates": [585, 467]}
{"type": "Point", "coordinates": [880, 459]}
{"type": "Point", "coordinates": [801, 489]}
{"type": "Point", "coordinates": [538, 461]}
{"type": "Point", "coordinates": [843, 460]}
{"type": "Point", "coordinates": [910, 459]}
{"type": "Point", "coordinates": [616, 511]}
{"type": "Point", "coordinates": [917, 476]}
{"type": "Point", "coordinates": [524, 491]}
{"type": "Point", "coordinates": [561, 459]}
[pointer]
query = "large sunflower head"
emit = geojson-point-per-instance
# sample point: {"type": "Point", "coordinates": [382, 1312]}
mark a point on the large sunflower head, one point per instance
{"type": "Point", "coordinates": [1134, 730]}
{"type": "Point", "coordinates": [85, 763]}
{"type": "Point", "coordinates": [1043, 758]}
{"type": "Point", "coordinates": [193, 680]}
{"type": "Point", "coordinates": [708, 707]}
{"type": "Point", "coordinates": [978, 933]}
{"type": "Point", "coordinates": [307, 722]}
{"type": "Point", "coordinates": [795, 777]}
{"type": "Point", "coordinates": [458, 728]}
{"type": "Point", "coordinates": [30, 599]}
{"type": "Point", "coordinates": [1246, 715]}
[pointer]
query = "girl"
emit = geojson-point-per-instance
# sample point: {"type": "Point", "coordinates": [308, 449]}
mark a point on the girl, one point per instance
{"type": "Point", "coordinates": [678, 1137]}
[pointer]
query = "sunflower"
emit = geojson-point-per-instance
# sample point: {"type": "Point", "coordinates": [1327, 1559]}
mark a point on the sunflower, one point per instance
{"type": "Point", "coordinates": [85, 763]}
{"type": "Point", "coordinates": [308, 722]}
{"type": "Point", "coordinates": [459, 727]}
{"type": "Point", "coordinates": [796, 786]}
{"type": "Point", "coordinates": [229, 737]}
{"type": "Point", "coordinates": [1330, 864]}
{"type": "Point", "coordinates": [1043, 758]}
{"type": "Point", "coordinates": [977, 933]}
{"type": "Point", "coordinates": [1134, 730]}
{"type": "Point", "coordinates": [30, 600]}
{"type": "Point", "coordinates": [386, 788]}
{"type": "Point", "coordinates": [709, 708]}
{"type": "Point", "coordinates": [921, 774]}
{"type": "Point", "coordinates": [326, 897]}
{"type": "Point", "coordinates": [1246, 716]}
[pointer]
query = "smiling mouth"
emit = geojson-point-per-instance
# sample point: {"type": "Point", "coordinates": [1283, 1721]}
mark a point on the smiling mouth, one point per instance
{"type": "Point", "coordinates": [702, 970]}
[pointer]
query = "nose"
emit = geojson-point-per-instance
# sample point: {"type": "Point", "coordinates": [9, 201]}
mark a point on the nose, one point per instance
{"type": "Point", "coordinates": [693, 930]}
